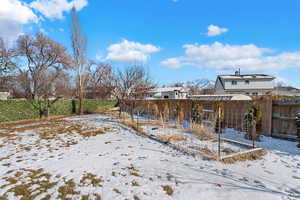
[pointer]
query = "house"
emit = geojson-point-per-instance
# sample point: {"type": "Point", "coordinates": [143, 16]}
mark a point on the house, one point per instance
{"type": "Point", "coordinates": [4, 95]}
{"type": "Point", "coordinates": [167, 93]}
{"type": "Point", "coordinates": [286, 91]}
{"type": "Point", "coordinates": [222, 97]}
{"type": "Point", "coordinates": [248, 84]}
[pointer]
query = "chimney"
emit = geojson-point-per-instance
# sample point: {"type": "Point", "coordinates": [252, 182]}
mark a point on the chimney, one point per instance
{"type": "Point", "coordinates": [237, 72]}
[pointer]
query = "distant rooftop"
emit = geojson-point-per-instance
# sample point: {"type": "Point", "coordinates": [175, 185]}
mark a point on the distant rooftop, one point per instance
{"type": "Point", "coordinates": [168, 89]}
{"type": "Point", "coordinates": [222, 97]}
{"type": "Point", "coordinates": [246, 76]}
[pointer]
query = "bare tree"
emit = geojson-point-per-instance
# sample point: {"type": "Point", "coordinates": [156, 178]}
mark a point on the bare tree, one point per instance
{"type": "Point", "coordinates": [63, 85]}
{"type": "Point", "coordinates": [7, 65]}
{"type": "Point", "coordinates": [196, 87]}
{"type": "Point", "coordinates": [79, 45]}
{"type": "Point", "coordinates": [6, 58]}
{"type": "Point", "coordinates": [131, 83]}
{"type": "Point", "coordinates": [41, 62]}
{"type": "Point", "coordinates": [100, 80]}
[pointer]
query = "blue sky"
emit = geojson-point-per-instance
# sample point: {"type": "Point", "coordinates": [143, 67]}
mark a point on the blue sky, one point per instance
{"type": "Point", "coordinates": [171, 38]}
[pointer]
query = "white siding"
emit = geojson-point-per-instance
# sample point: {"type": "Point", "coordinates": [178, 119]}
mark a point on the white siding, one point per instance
{"type": "Point", "coordinates": [263, 84]}
{"type": "Point", "coordinates": [4, 95]}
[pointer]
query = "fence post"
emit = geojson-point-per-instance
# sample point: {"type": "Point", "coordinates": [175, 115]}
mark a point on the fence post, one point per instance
{"type": "Point", "coordinates": [137, 119]}
{"type": "Point", "coordinates": [219, 130]}
{"type": "Point", "coordinates": [253, 132]}
{"type": "Point", "coordinates": [298, 128]}
{"type": "Point", "coordinates": [148, 110]}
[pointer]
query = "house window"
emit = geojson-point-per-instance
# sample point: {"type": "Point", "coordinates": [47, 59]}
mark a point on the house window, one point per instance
{"type": "Point", "coordinates": [247, 82]}
{"type": "Point", "coordinates": [234, 82]}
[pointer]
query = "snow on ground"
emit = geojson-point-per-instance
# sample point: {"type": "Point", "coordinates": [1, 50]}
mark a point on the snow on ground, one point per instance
{"type": "Point", "coordinates": [116, 163]}
{"type": "Point", "coordinates": [191, 141]}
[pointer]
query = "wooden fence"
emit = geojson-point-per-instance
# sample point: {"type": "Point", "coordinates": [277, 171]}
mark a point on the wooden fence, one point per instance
{"type": "Point", "coordinates": [234, 111]}
{"type": "Point", "coordinates": [283, 119]}
{"type": "Point", "coordinates": [277, 119]}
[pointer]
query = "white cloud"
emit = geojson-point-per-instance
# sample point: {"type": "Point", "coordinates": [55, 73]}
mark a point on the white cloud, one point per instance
{"type": "Point", "coordinates": [54, 9]}
{"type": "Point", "coordinates": [17, 11]}
{"type": "Point", "coordinates": [214, 30]}
{"type": "Point", "coordinates": [228, 57]}
{"type": "Point", "coordinates": [280, 81]}
{"type": "Point", "coordinates": [13, 15]}
{"type": "Point", "coordinates": [127, 51]}
{"type": "Point", "coordinates": [172, 62]}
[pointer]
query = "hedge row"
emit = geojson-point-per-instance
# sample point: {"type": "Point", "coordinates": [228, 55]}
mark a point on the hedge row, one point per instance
{"type": "Point", "coordinates": [19, 109]}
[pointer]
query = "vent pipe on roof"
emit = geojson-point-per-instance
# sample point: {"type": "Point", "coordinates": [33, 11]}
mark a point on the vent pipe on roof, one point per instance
{"type": "Point", "coordinates": [237, 73]}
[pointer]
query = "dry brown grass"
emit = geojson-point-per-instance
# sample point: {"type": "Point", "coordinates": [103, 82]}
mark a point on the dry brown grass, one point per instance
{"type": "Point", "coordinates": [23, 182]}
{"type": "Point", "coordinates": [69, 189]}
{"type": "Point", "coordinates": [136, 197]}
{"type": "Point", "coordinates": [50, 129]}
{"type": "Point", "coordinates": [168, 138]}
{"type": "Point", "coordinates": [256, 155]}
{"type": "Point", "coordinates": [151, 123]}
{"type": "Point", "coordinates": [168, 189]}
{"type": "Point", "coordinates": [207, 152]}
{"type": "Point", "coordinates": [113, 111]}
{"type": "Point", "coordinates": [92, 133]}
{"type": "Point", "coordinates": [25, 122]}
{"type": "Point", "coordinates": [59, 130]}
{"type": "Point", "coordinates": [116, 191]}
{"type": "Point", "coordinates": [7, 134]}
{"type": "Point", "coordinates": [135, 183]}
{"type": "Point", "coordinates": [30, 184]}
{"type": "Point", "coordinates": [135, 127]}
{"type": "Point", "coordinates": [202, 133]}
{"type": "Point", "coordinates": [90, 179]}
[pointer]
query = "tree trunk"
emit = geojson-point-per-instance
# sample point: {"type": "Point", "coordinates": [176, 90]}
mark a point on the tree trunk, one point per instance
{"type": "Point", "coordinates": [131, 111]}
{"type": "Point", "coordinates": [47, 113]}
{"type": "Point", "coordinates": [81, 99]}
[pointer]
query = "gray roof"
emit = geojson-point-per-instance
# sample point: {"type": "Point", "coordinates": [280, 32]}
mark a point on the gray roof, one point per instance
{"type": "Point", "coordinates": [222, 97]}
{"type": "Point", "coordinates": [168, 89]}
{"type": "Point", "coordinates": [246, 77]}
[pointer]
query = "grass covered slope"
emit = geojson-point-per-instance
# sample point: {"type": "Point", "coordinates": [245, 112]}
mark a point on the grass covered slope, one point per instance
{"type": "Point", "coordinates": [20, 109]}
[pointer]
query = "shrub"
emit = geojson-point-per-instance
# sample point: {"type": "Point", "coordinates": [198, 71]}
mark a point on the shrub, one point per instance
{"type": "Point", "coordinates": [21, 109]}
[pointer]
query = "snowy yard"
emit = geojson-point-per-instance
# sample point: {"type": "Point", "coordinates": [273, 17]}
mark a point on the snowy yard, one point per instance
{"type": "Point", "coordinates": [96, 157]}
